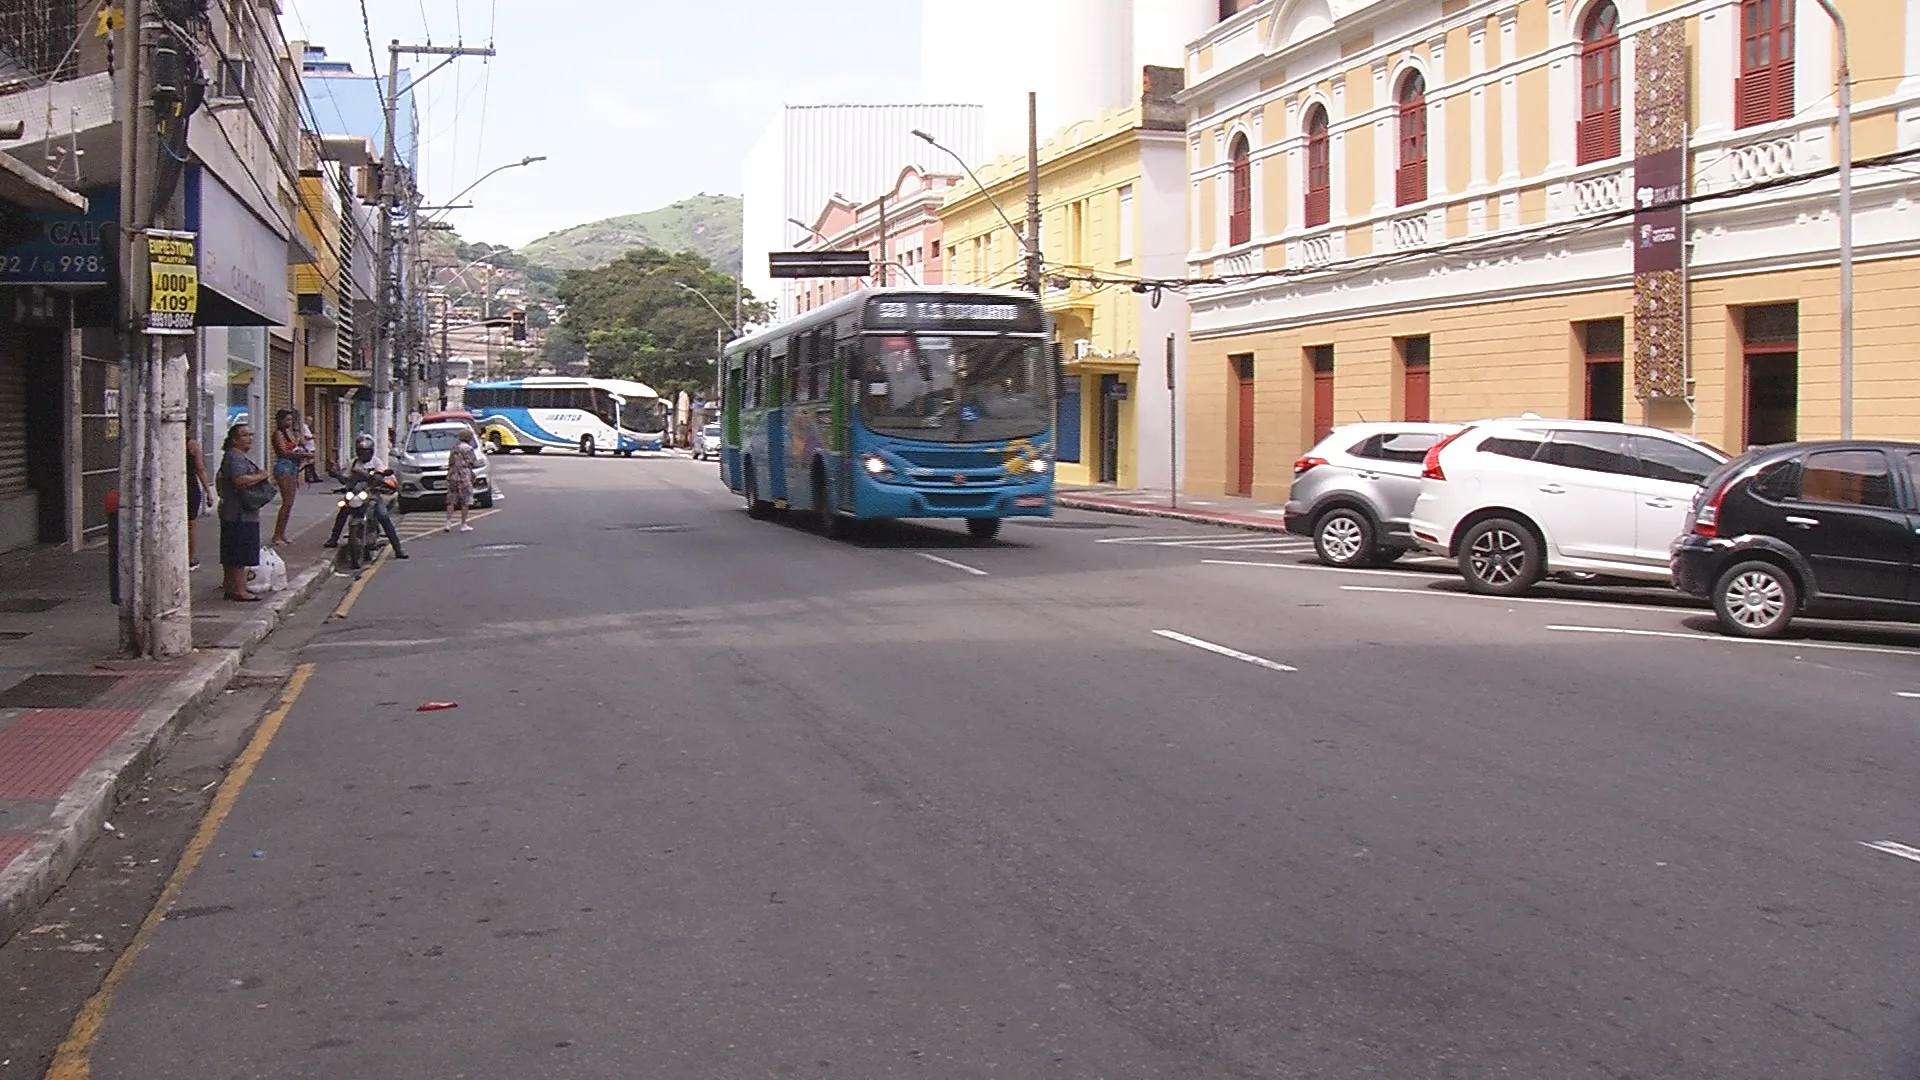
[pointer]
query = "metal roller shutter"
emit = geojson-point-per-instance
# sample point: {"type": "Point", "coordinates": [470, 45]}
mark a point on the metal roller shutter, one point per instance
{"type": "Point", "coordinates": [13, 418]}
{"type": "Point", "coordinates": [279, 379]}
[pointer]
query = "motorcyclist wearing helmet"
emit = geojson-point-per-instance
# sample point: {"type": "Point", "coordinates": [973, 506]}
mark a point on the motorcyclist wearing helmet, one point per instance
{"type": "Point", "coordinates": [367, 467]}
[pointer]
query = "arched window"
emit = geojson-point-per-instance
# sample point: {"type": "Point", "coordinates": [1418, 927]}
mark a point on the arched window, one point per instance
{"type": "Point", "coordinates": [1319, 167]}
{"type": "Point", "coordinates": [1410, 179]}
{"type": "Point", "coordinates": [1599, 130]}
{"type": "Point", "coordinates": [1764, 91]}
{"type": "Point", "coordinates": [1240, 214]}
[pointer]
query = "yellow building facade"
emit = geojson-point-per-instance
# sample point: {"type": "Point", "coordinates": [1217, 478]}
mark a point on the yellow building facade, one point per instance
{"type": "Point", "coordinates": [1113, 211]}
{"type": "Point", "coordinates": [1458, 209]}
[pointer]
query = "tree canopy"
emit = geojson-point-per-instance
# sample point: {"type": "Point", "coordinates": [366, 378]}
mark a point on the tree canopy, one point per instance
{"type": "Point", "coordinates": [631, 319]}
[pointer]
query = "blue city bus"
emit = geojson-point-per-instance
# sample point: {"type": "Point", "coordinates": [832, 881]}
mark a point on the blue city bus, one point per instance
{"type": "Point", "coordinates": [932, 402]}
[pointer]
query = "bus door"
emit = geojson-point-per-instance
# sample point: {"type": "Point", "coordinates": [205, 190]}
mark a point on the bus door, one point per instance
{"type": "Point", "coordinates": [730, 422]}
{"type": "Point", "coordinates": [839, 439]}
{"type": "Point", "coordinates": [776, 428]}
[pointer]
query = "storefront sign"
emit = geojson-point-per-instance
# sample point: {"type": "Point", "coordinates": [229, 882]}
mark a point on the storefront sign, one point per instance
{"type": "Point", "coordinates": [173, 280]}
{"type": "Point", "coordinates": [1660, 138]}
{"type": "Point", "coordinates": [62, 249]}
{"type": "Point", "coordinates": [1657, 212]}
{"type": "Point", "coordinates": [241, 257]}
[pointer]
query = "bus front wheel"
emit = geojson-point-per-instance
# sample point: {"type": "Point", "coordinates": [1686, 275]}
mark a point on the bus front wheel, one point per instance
{"type": "Point", "coordinates": [833, 524]}
{"type": "Point", "coordinates": [586, 445]}
{"type": "Point", "coordinates": [983, 529]}
{"type": "Point", "coordinates": [756, 509]}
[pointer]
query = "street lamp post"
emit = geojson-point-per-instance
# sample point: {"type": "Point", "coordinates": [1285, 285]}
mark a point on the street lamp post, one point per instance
{"type": "Point", "coordinates": [1029, 245]}
{"type": "Point", "coordinates": [1845, 211]}
{"type": "Point", "coordinates": [453, 203]}
{"type": "Point", "coordinates": [719, 346]}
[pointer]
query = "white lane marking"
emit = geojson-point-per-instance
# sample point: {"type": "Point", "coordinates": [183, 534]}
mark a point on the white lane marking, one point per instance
{"type": "Point", "coordinates": [1152, 539]}
{"type": "Point", "coordinates": [1889, 847]}
{"type": "Point", "coordinates": [974, 570]}
{"type": "Point", "coordinates": [1401, 574]}
{"type": "Point", "coordinates": [1256, 661]}
{"type": "Point", "coordinates": [1906, 694]}
{"type": "Point", "coordinates": [362, 643]}
{"type": "Point", "coordinates": [1522, 599]}
{"type": "Point", "coordinates": [1725, 640]}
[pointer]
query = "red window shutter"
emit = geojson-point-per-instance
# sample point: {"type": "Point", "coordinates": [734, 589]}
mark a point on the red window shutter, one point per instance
{"type": "Point", "coordinates": [1782, 96]}
{"type": "Point", "coordinates": [1318, 211]}
{"type": "Point", "coordinates": [1240, 179]}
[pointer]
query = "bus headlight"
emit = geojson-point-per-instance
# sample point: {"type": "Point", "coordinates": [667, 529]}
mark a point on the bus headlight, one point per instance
{"type": "Point", "coordinates": [1038, 466]}
{"type": "Point", "coordinates": [877, 467]}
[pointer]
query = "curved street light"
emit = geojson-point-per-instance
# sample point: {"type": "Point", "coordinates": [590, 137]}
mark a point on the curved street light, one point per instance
{"type": "Point", "coordinates": [724, 321]}
{"type": "Point", "coordinates": [522, 163]}
{"type": "Point", "coordinates": [1025, 247]}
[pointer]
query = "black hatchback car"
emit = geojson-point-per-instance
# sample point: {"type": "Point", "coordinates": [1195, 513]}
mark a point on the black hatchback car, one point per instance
{"type": "Point", "coordinates": [1823, 529]}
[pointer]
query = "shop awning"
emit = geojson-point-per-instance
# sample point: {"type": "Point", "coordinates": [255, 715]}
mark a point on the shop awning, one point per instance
{"type": "Point", "coordinates": [27, 189]}
{"type": "Point", "coordinates": [326, 376]}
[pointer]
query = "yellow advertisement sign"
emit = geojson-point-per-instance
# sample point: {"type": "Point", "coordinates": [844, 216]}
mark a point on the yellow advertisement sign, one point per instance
{"type": "Point", "coordinates": [173, 279]}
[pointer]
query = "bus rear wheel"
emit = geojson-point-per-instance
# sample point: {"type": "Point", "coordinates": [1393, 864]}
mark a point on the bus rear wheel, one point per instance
{"type": "Point", "coordinates": [586, 445]}
{"type": "Point", "coordinates": [493, 438]}
{"type": "Point", "coordinates": [983, 529]}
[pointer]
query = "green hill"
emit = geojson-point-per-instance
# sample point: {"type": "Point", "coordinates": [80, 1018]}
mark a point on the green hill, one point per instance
{"type": "Point", "coordinates": [707, 224]}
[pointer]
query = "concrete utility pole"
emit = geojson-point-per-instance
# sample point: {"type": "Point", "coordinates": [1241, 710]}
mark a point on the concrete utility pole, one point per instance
{"type": "Point", "coordinates": [1845, 211]}
{"type": "Point", "coordinates": [1033, 193]}
{"type": "Point", "coordinates": [391, 307]}
{"type": "Point", "coordinates": [446, 353]}
{"type": "Point", "coordinates": [156, 611]}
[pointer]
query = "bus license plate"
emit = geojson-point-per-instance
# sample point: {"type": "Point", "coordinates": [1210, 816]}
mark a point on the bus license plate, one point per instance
{"type": "Point", "coordinates": [1027, 501]}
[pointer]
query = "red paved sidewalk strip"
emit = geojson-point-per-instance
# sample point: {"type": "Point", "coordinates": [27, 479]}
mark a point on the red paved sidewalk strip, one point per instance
{"type": "Point", "coordinates": [79, 761]}
{"type": "Point", "coordinates": [1158, 506]}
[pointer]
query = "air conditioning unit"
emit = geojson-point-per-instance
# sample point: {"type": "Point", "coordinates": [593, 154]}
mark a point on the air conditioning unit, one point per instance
{"type": "Point", "coordinates": [1082, 348]}
{"type": "Point", "coordinates": [235, 79]}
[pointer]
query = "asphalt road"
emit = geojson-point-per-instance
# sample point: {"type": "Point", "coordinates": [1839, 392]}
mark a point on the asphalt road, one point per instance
{"type": "Point", "coordinates": [724, 798]}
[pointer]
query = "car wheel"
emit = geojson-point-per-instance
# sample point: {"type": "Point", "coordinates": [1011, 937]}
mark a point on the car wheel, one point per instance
{"type": "Point", "coordinates": [493, 439]}
{"type": "Point", "coordinates": [485, 501]}
{"type": "Point", "coordinates": [983, 529]}
{"type": "Point", "coordinates": [1755, 600]}
{"type": "Point", "coordinates": [1343, 537]}
{"type": "Point", "coordinates": [405, 506]}
{"type": "Point", "coordinates": [586, 445]}
{"type": "Point", "coordinates": [1500, 557]}
{"type": "Point", "coordinates": [757, 510]}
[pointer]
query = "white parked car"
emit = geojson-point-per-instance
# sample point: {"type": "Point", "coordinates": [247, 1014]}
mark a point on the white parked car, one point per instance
{"type": "Point", "coordinates": [421, 465]}
{"type": "Point", "coordinates": [1517, 500]}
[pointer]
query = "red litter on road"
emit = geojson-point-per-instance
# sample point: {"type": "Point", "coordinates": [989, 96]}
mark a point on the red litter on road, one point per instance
{"type": "Point", "coordinates": [436, 706]}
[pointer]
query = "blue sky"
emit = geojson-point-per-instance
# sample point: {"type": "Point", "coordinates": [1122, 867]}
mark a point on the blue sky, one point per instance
{"type": "Point", "coordinates": [635, 104]}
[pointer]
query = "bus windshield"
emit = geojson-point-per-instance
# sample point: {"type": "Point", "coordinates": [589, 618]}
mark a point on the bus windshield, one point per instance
{"type": "Point", "coordinates": [955, 388]}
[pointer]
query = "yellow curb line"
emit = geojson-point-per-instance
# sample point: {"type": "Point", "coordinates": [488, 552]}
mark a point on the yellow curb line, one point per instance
{"type": "Point", "coordinates": [73, 1060]}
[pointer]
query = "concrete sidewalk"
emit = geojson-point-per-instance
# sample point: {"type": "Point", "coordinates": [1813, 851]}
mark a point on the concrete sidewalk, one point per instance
{"type": "Point", "coordinates": [1225, 510]}
{"type": "Point", "coordinates": [79, 723]}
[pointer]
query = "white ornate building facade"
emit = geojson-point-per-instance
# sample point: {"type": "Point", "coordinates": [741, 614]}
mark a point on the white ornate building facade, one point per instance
{"type": "Point", "coordinates": [1606, 208]}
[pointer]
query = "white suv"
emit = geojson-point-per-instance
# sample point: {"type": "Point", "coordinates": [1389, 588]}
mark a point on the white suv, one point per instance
{"type": "Point", "coordinates": [1516, 500]}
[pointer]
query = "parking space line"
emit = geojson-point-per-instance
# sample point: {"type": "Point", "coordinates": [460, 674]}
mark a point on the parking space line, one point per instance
{"type": "Point", "coordinates": [1828, 646]}
{"type": "Point", "coordinates": [974, 570]}
{"type": "Point", "coordinates": [1562, 601]}
{"type": "Point", "coordinates": [1401, 574]}
{"type": "Point", "coordinates": [1222, 650]}
{"type": "Point", "coordinates": [1889, 847]}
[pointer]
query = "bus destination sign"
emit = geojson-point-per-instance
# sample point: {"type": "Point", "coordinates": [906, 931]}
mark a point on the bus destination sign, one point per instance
{"type": "Point", "coordinates": [998, 314]}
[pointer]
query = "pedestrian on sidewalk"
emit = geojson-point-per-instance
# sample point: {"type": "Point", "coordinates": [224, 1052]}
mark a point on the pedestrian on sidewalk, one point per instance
{"type": "Point", "coordinates": [462, 463]}
{"type": "Point", "coordinates": [287, 461]}
{"type": "Point", "coordinates": [240, 504]}
{"type": "Point", "coordinates": [198, 490]}
{"type": "Point", "coordinates": [308, 446]}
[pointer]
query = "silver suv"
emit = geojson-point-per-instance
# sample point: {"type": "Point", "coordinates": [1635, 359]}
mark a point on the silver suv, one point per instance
{"type": "Point", "coordinates": [1352, 493]}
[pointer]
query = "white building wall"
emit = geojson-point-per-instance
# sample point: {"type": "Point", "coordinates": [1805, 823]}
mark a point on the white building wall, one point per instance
{"type": "Point", "coordinates": [814, 152]}
{"type": "Point", "coordinates": [1162, 28]}
{"type": "Point", "coordinates": [1160, 246]}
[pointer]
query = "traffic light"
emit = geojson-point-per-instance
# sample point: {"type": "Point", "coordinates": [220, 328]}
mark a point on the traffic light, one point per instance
{"type": "Point", "coordinates": [517, 324]}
